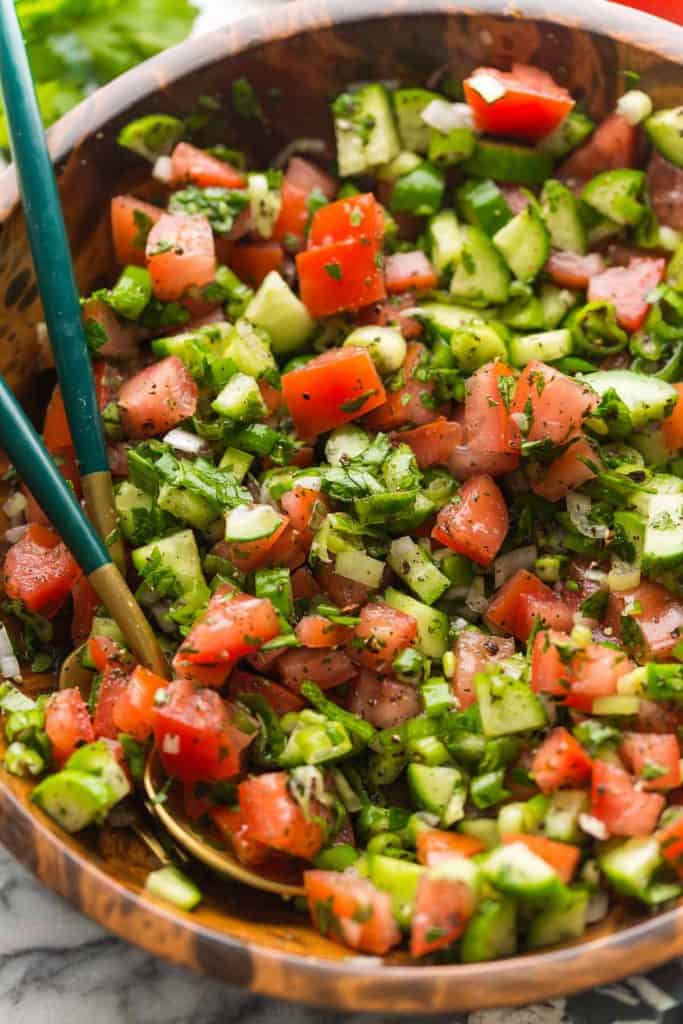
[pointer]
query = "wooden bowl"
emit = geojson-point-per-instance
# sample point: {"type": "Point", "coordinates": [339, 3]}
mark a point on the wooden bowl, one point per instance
{"type": "Point", "coordinates": [297, 57]}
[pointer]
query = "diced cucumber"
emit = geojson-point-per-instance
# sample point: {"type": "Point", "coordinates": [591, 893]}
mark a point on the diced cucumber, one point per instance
{"type": "Point", "coordinates": [485, 829]}
{"type": "Point", "coordinates": [524, 243]}
{"type": "Point", "coordinates": [508, 706]}
{"type": "Point", "coordinates": [186, 506]}
{"type": "Point", "coordinates": [516, 871]}
{"type": "Point", "coordinates": [491, 933]}
{"type": "Point", "coordinates": [240, 400]}
{"type": "Point", "coordinates": [278, 311]}
{"type": "Point", "coordinates": [646, 397]}
{"type": "Point", "coordinates": [137, 512]}
{"type": "Point", "coordinates": [411, 562]}
{"type": "Point", "coordinates": [511, 818]}
{"type": "Point", "coordinates": [616, 705]}
{"type": "Point", "coordinates": [432, 624]}
{"type": "Point", "coordinates": [663, 540]}
{"type": "Point", "coordinates": [560, 924]}
{"type": "Point", "coordinates": [446, 149]}
{"type": "Point", "coordinates": [197, 349]}
{"type": "Point", "coordinates": [571, 131]}
{"type": "Point", "coordinates": [265, 204]}
{"type": "Point", "coordinates": [480, 276]}
{"type": "Point", "coordinates": [613, 194]}
{"type": "Point", "coordinates": [97, 759]}
{"type": "Point", "coordinates": [357, 566]}
{"type": "Point", "coordinates": [173, 886]}
{"type": "Point", "coordinates": [505, 161]}
{"type": "Point", "coordinates": [561, 215]}
{"type": "Point", "coordinates": [665, 129]}
{"type": "Point", "coordinates": [448, 318]}
{"type": "Point", "coordinates": [400, 879]}
{"type": "Point", "coordinates": [365, 130]}
{"type": "Point", "coordinates": [345, 443]}
{"type": "Point", "coordinates": [406, 522]}
{"type": "Point", "coordinates": [546, 347]}
{"type": "Point", "coordinates": [401, 165]}
{"type": "Point", "coordinates": [73, 799]}
{"type": "Point", "coordinates": [179, 555]}
{"type": "Point", "coordinates": [445, 240]}
{"type": "Point", "coordinates": [251, 522]}
{"type": "Point", "coordinates": [386, 346]}
{"type": "Point", "coordinates": [483, 204]}
{"type": "Point", "coordinates": [408, 105]}
{"type": "Point", "coordinates": [556, 303]}
{"type": "Point", "coordinates": [652, 445]}
{"type": "Point", "coordinates": [439, 789]}
{"type": "Point", "coordinates": [459, 869]}
{"type": "Point", "coordinates": [629, 866]}
{"type": "Point", "coordinates": [562, 817]}
{"type": "Point", "coordinates": [248, 349]}
{"type": "Point", "coordinates": [236, 462]}
{"type": "Point", "coordinates": [477, 343]}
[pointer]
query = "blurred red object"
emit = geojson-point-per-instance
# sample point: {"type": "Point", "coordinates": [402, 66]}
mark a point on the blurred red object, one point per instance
{"type": "Point", "coordinates": [671, 9]}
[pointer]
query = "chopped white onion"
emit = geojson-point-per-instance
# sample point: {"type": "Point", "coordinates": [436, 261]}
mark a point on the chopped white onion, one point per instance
{"type": "Point", "coordinates": [316, 146]}
{"type": "Point", "coordinates": [507, 565]}
{"type": "Point", "coordinates": [9, 667]}
{"type": "Point", "coordinates": [162, 169]}
{"type": "Point", "coordinates": [634, 106]}
{"type": "Point", "coordinates": [5, 643]}
{"type": "Point", "coordinates": [476, 599]}
{"type": "Point", "coordinates": [597, 908]}
{"type": "Point", "coordinates": [521, 420]}
{"type": "Point", "coordinates": [15, 533]}
{"type": "Point", "coordinates": [445, 117]}
{"type": "Point", "coordinates": [488, 87]}
{"type": "Point", "coordinates": [14, 505]}
{"type": "Point", "coordinates": [623, 576]}
{"type": "Point", "coordinates": [185, 441]}
{"type": "Point", "coordinates": [579, 507]}
{"type": "Point", "coordinates": [593, 826]}
{"type": "Point", "coordinates": [170, 743]}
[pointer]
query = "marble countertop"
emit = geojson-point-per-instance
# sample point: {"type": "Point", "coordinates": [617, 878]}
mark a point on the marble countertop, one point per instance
{"type": "Point", "coordinates": [56, 966]}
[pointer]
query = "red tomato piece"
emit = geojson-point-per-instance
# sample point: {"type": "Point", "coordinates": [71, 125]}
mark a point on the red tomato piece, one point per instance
{"type": "Point", "coordinates": [465, 462]}
{"type": "Point", "coordinates": [252, 261]}
{"type": "Point", "coordinates": [660, 617]}
{"type": "Point", "coordinates": [334, 388]}
{"type": "Point", "coordinates": [531, 106]}
{"type": "Point", "coordinates": [122, 337]}
{"type": "Point", "coordinates": [560, 761]}
{"type": "Point", "coordinates": [195, 735]}
{"type": "Point", "coordinates": [279, 697]}
{"type": "Point", "coordinates": [655, 758]}
{"type": "Point", "coordinates": [248, 555]}
{"type": "Point", "coordinates": [628, 288]}
{"type": "Point", "coordinates": [85, 601]}
{"type": "Point", "coordinates": [304, 584]}
{"type": "Point", "coordinates": [180, 255]}
{"type": "Point", "coordinates": [349, 909]}
{"type": "Point", "coordinates": [413, 403]}
{"type": "Point", "coordinates": [443, 906]}
{"type": "Point", "coordinates": [327, 668]}
{"type": "Point", "coordinates": [341, 276]}
{"type": "Point", "coordinates": [562, 857]}
{"type": "Point", "coordinates": [131, 222]}
{"type": "Point", "coordinates": [113, 686]}
{"type": "Point", "coordinates": [273, 817]}
{"type": "Point", "coordinates": [317, 631]}
{"type": "Point", "coordinates": [506, 610]}
{"type": "Point", "coordinates": [192, 166]}
{"type": "Point", "coordinates": [611, 146]}
{"type": "Point", "coordinates": [552, 612]}
{"type": "Point", "coordinates": [232, 626]}
{"type": "Point", "coordinates": [473, 652]}
{"type": "Point", "coordinates": [568, 472]}
{"type": "Point", "coordinates": [134, 710]}
{"type": "Point", "coordinates": [289, 549]}
{"type": "Point", "coordinates": [623, 809]}
{"type": "Point", "coordinates": [434, 846]}
{"type": "Point", "coordinates": [232, 827]}
{"type": "Point", "coordinates": [358, 218]}
{"type": "Point", "coordinates": [307, 176]}
{"type": "Point", "coordinates": [382, 633]}
{"type": "Point", "coordinates": [385, 703]}
{"type": "Point", "coordinates": [549, 673]}
{"type": "Point", "coordinates": [40, 571]}
{"type": "Point", "coordinates": [475, 524]}
{"type": "Point", "coordinates": [67, 724]}
{"type": "Point", "coordinates": [409, 270]}
{"type": "Point", "coordinates": [157, 398]}
{"type": "Point", "coordinates": [571, 270]}
{"type": "Point", "coordinates": [56, 432]}
{"type": "Point", "coordinates": [433, 442]}
{"type": "Point", "coordinates": [304, 505]}
{"type": "Point", "coordinates": [595, 672]}
{"type": "Point", "coordinates": [487, 420]}
{"type": "Point", "coordinates": [390, 314]}
{"type": "Point", "coordinates": [665, 185]}
{"type": "Point", "coordinates": [301, 179]}
{"type": "Point", "coordinates": [672, 426]}
{"type": "Point", "coordinates": [671, 842]}
{"type": "Point", "coordinates": [343, 592]}
{"type": "Point", "coordinates": [558, 404]}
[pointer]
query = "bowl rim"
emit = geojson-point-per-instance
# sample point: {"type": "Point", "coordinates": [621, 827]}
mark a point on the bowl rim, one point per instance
{"type": "Point", "coordinates": [361, 983]}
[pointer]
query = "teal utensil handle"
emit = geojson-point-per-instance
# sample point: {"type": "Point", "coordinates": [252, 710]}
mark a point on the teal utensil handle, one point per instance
{"type": "Point", "coordinates": [50, 246]}
{"type": "Point", "coordinates": [47, 485]}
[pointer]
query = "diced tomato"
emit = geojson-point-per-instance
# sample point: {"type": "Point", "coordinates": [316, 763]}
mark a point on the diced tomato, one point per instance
{"type": "Point", "coordinates": [104, 652]}
{"type": "Point", "coordinates": [273, 817]}
{"type": "Point", "coordinates": [473, 652]}
{"type": "Point", "coordinates": [507, 609]}
{"type": "Point", "coordinates": [113, 686]}
{"type": "Point", "coordinates": [433, 442]}
{"type": "Point", "coordinates": [122, 337]}
{"type": "Point", "coordinates": [56, 432]}
{"type": "Point", "coordinates": [409, 270]}
{"type": "Point", "coordinates": [40, 571]}
{"type": "Point", "coordinates": [672, 426]}
{"type": "Point", "coordinates": [279, 697]}
{"type": "Point", "coordinates": [67, 724]}
{"type": "Point", "coordinates": [611, 146]}
{"type": "Point", "coordinates": [271, 396]}
{"type": "Point", "coordinates": [317, 631]}
{"type": "Point", "coordinates": [443, 906]}
{"type": "Point", "coordinates": [303, 505]}
{"type": "Point", "coordinates": [323, 666]}
{"type": "Point", "coordinates": [487, 420]}
{"type": "Point", "coordinates": [341, 276]}
{"type": "Point", "coordinates": [465, 462]}
{"type": "Point", "coordinates": [232, 826]}
{"type": "Point", "coordinates": [248, 555]}
{"type": "Point", "coordinates": [131, 222]}
{"type": "Point", "coordinates": [212, 676]}
{"type": "Point", "coordinates": [571, 270]}
{"type": "Point", "coordinates": [531, 106]}
{"type": "Point", "coordinates": [567, 472]}
{"type": "Point", "coordinates": [382, 633]}
{"type": "Point", "coordinates": [343, 592]}
{"type": "Point", "coordinates": [562, 857]}
{"type": "Point", "coordinates": [434, 846]}
{"type": "Point", "coordinates": [558, 404]}
{"type": "Point", "coordinates": [232, 626]}
{"type": "Point", "coordinates": [334, 388]}
{"type": "Point", "coordinates": [157, 398]}
{"type": "Point", "coordinates": [475, 524]}
{"type": "Point", "coordinates": [412, 404]}
{"type": "Point", "coordinates": [671, 843]}
{"type": "Point", "coordinates": [655, 758]}
{"type": "Point", "coordinates": [552, 612]}
{"type": "Point", "coordinates": [628, 288]}
{"type": "Point", "coordinates": [252, 261]}
{"type": "Point", "coordinates": [658, 718]}
{"type": "Point", "coordinates": [85, 601]}
{"type": "Point", "coordinates": [192, 166]}
{"type": "Point", "coordinates": [390, 314]}
{"type": "Point", "coordinates": [549, 673]}
{"type": "Point", "coordinates": [180, 255]}
{"type": "Point", "coordinates": [665, 186]}
{"type": "Point", "coordinates": [385, 703]}
{"type": "Point", "coordinates": [134, 710]}
{"type": "Point", "coordinates": [560, 761]}
{"type": "Point", "coordinates": [595, 672]}
{"type": "Point", "coordinates": [307, 176]}
{"type": "Point", "coordinates": [304, 584]}
{"type": "Point", "coordinates": [195, 735]}
{"type": "Point", "coordinates": [349, 909]}
{"type": "Point", "coordinates": [660, 617]}
{"type": "Point", "coordinates": [358, 218]}
{"type": "Point", "coordinates": [290, 227]}
{"type": "Point", "coordinates": [288, 551]}
{"type": "Point", "coordinates": [624, 809]}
